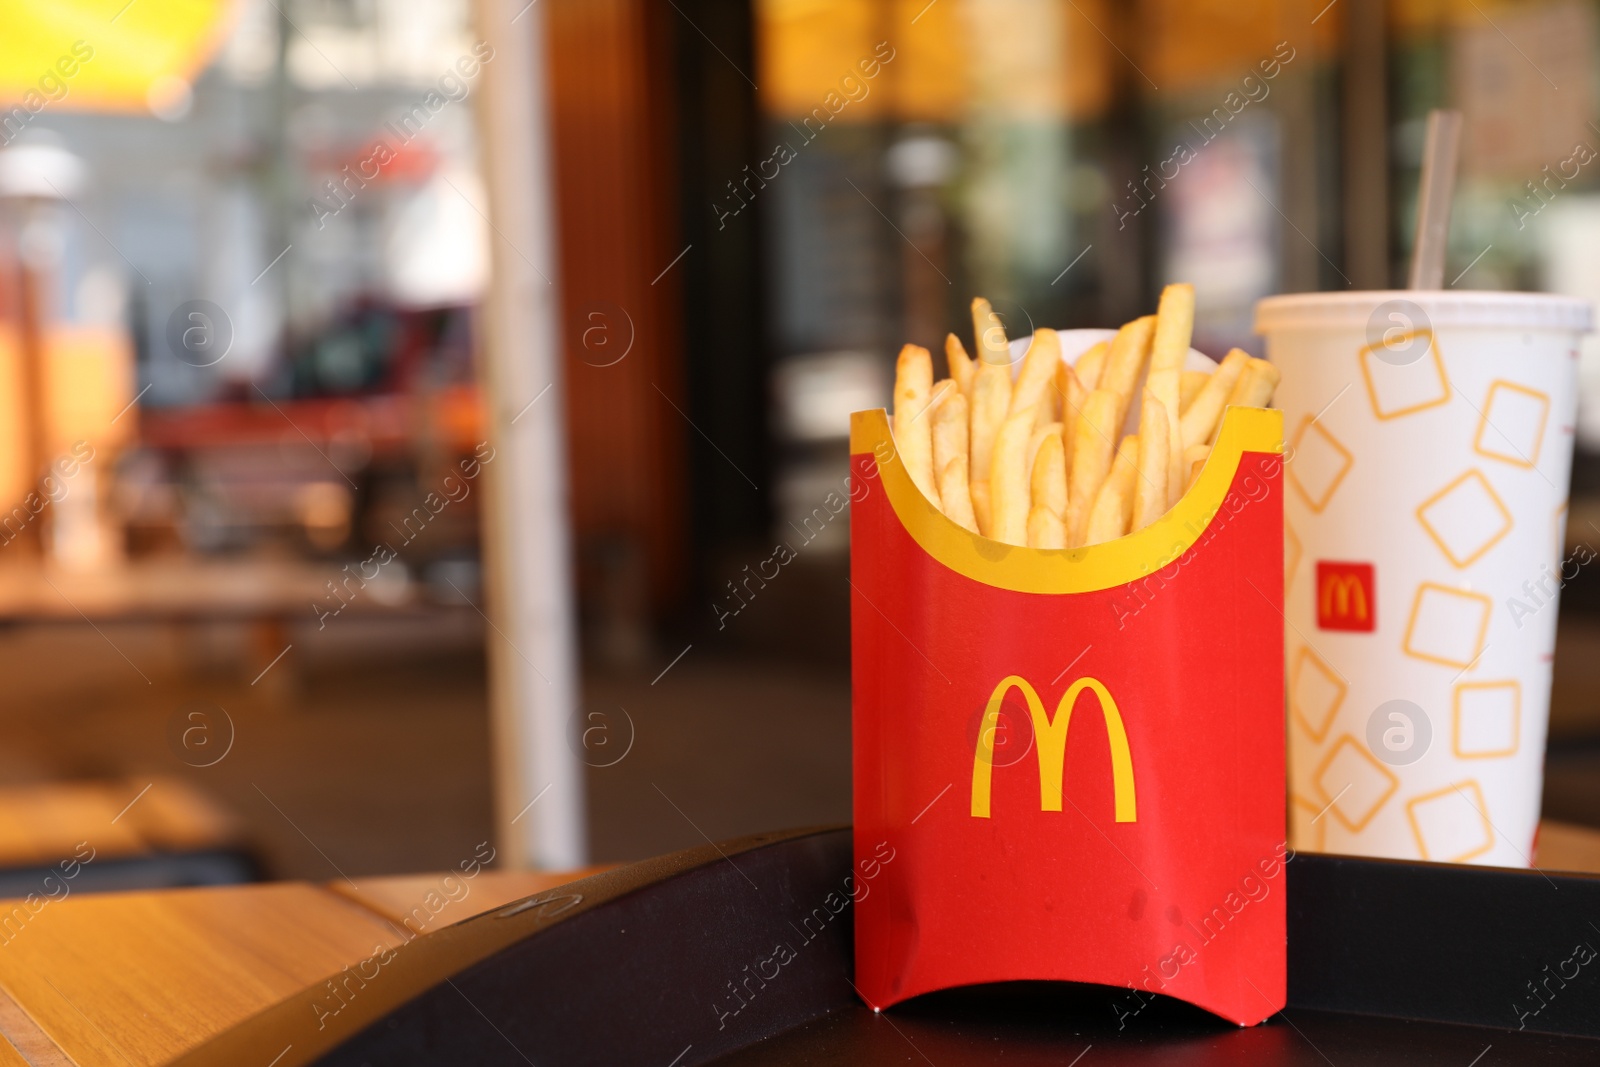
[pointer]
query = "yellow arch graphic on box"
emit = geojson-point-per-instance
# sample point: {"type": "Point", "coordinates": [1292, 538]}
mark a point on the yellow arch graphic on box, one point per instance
{"type": "Point", "coordinates": [1069, 570]}
{"type": "Point", "coordinates": [1051, 738]}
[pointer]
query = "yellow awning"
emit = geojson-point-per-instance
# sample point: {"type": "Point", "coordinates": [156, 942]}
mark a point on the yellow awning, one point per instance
{"type": "Point", "coordinates": [102, 55]}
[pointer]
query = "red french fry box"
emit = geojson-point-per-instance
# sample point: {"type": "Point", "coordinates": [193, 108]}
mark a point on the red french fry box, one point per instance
{"type": "Point", "coordinates": [1069, 764]}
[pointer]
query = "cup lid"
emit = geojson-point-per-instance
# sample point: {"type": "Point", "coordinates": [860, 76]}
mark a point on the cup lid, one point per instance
{"type": "Point", "coordinates": [1441, 308]}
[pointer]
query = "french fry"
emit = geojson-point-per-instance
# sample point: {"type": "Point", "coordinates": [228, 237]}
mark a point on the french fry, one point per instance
{"type": "Point", "coordinates": [1073, 393]}
{"type": "Point", "coordinates": [1038, 367]}
{"type": "Point", "coordinates": [950, 431]}
{"type": "Point", "coordinates": [1041, 460]}
{"type": "Point", "coordinates": [1037, 439]}
{"type": "Point", "coordinates": [1128, 351]}
{"type": "Point", "coordinates": [989, 334]}
{"type": "Point", "coordinates": [1150, 488]}
{"type": "Point", "coordinates": [1048, 480]}
{"type": "Point", "coordinates": [913, 430]}
{"type": "Point", "coordinates": [1169, 348]}
{"type": "Point", "coordinates": [1048, 409]}
{"type": "Point", "coordinates": [1200, 421]}
{"type": "Point", "coordinates": [1092, 364]}
{"type": "Point", "coordinates": [1194, 458]}
{"type": "Point", "coordinates": [1046, 529]}
{"type": "Point", "coordinates": [982, 511]}
{"type": "Point", "coordinates": [1255, 386]}
{"type": "Point", "coordinates": [955, 355]}
{"type": "Point", "coordinates": [1008, 480]}
{"type": "Point", "coordinates": [991, 395]}
{"type": "Point", "coordinates": [1092, 448]}
{"type": "Point", "coordinates": [954, 494]}
{"type": "Point", "coordinates": [1113, 505]}
{"type": "Point", "coordinates": [1162, 385]}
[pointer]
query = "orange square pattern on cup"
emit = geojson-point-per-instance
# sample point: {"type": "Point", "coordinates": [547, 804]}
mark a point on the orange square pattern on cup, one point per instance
{"type": "Point", "coordinates": [1454, 506]}
{"type": "Point", "coordinates": [1352, 756]}
{"type": "Point", "coordinates": [1509, 694]}
{"type": "Point", "coordinates": [1441, 812]}
{"type": "Point", "coordinates": [1317, 486]}
{"type": "Point", "coordinates": [1315, 720]}
{"type": "Point", "coordinates": [1525, 454]}
{"type": "Point", "coordinates": [1314, 816]}
{"type": "Point", "coordinates": [1374, 391]}
{"type": "Point", "coordinates": [1432, 600]}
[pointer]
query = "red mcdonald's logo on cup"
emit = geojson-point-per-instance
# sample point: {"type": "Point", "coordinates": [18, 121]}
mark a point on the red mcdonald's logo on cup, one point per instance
{"type": "Point", "coordinates": [1345, 599]}
{"type": "Point", "coordinates": [1051, 734]}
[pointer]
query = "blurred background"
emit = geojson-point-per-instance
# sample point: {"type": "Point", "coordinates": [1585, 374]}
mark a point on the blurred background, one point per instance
{"type": "Point", "coordinates": [245, 254]}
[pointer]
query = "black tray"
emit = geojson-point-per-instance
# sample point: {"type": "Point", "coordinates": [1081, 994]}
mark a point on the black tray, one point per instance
{"type": "Point", "coordinates": [660, 963]}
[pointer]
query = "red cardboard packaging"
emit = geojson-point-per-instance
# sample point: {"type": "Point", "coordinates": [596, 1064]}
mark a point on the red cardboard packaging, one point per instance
{"type": "Point", "coordinates": [1145, 850]}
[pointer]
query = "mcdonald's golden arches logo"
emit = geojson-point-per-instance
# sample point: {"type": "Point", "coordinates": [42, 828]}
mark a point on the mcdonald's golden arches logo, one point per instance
{"type": "Point", "coordinates": [1344, 597]}
{"type": "Point", "coordinates": [1051, 737]}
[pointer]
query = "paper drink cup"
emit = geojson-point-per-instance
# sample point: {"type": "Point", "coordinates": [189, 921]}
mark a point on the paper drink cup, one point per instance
{"type": "Point", "coordinates": [1428, 447]}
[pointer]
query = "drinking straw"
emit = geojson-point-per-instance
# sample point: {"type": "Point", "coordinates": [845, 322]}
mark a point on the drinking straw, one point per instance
{"type": "Point", "coordinates": [1433, 201]}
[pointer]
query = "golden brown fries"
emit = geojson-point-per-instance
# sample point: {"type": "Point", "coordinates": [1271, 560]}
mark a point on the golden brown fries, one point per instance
{"type": "Point", "coordinates": [991, 395]}
{"type": "Point", "coordinates": [1194, 458]}
{"type": "Point", "coordinates": [989, 334]}
{"type": "Point", "coordinates": [955, 355]}
{"type": "Point", "coordinates": [1092, 364]}
{"type": "Point", "coordinates": [981, 510]}
{"type": "Point", "coordinates": [1150, 488]}
{"type": "Point", "coordinates": [1200, 421]}
{"type": "Point", "coordinates": [1092, 446]}
{"type": "Point", "coordinates": [1169, 349]}
{"type": "Point", "coordinates": [1071, 390]}
{"type": "Point", "coordinates": [1162, 387]}
{"type": "Point", "coordinates": [1113, 505]}
{"type": "Point", "coordinates": [1037, 438]}
{"type": "Point", "coordinates": [1008, 480]}
{"type": "Point", "coordinates": [1046, 529]}
{"type": "Point", "coordinates": [1041, 460]}
{"type": "Point", "coordinates": [1048, 482]}
{"type": "Point", "coordinates": [913, 429]}
{"type": "Point", "coordinates": [1129, 350]}
{"type": "Point", "coordinates": [1256, 385]}
{"type": "Point", "coordinates": [1038, 369]}
{"type": "Point", "coordinates": [956, 494]}
{"type": "Point", "coordinates": [950, 428]}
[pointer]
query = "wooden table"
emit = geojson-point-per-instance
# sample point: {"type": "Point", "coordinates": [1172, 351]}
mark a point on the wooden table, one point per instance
{"type": "Point", "coordinates": [139, 978]}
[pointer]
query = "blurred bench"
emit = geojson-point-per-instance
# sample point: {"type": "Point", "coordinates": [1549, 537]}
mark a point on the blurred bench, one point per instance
{"type": "Point", "coordinates": [58, 839]}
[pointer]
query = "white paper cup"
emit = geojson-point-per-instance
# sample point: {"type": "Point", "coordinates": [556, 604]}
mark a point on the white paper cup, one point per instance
{"type": "Point", "coordinates": [1429, 442]}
